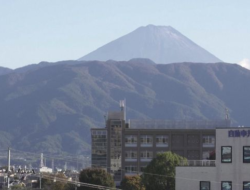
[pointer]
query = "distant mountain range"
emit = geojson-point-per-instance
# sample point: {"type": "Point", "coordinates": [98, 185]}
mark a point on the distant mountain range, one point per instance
{"type": "Point", "coordinates": [51, 107]}
{"type": "Point", "coordinates": [161, 44]}
{"type": "Point", "coordinates": [4, 70]}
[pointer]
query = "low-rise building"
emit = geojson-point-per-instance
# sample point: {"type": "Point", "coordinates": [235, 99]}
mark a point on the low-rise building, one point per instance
{"type": "Point", "coordinates": [229, 171]}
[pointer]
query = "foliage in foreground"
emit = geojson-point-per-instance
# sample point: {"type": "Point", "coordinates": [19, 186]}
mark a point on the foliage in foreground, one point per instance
{"type": "Point", "coordinates": [132, 183]}
{"type": "Point", "coordinates": [160, 173]}
{"type": "Point", "coordinates": [95, 176]}
{"type": "Point", "coordinates": [57, 183]}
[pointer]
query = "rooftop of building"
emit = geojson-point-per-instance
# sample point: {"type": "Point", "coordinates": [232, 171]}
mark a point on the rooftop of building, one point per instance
{"type": "Point", "coordinates": [175, 124]}
{"type": "Point", "coordinates": [116, 115]}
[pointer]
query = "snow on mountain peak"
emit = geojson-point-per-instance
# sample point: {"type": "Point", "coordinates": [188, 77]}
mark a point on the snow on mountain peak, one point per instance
{"type": "Point", "coordinates": [161, 44]}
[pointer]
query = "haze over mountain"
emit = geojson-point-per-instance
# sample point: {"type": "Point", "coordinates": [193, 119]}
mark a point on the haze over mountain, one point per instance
{"type": "Point", "coordinates": [52, 108]}
{"type": "Point", "coordinates": [161, 44]}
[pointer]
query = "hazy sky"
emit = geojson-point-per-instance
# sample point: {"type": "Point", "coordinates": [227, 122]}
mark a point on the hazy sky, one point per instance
{"type": "Point", "coordinates": [52, 30]}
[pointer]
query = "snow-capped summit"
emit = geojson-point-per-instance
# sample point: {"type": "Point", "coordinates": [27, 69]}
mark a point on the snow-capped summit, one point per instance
{"type": "Point", "coordinates": [161, 44]}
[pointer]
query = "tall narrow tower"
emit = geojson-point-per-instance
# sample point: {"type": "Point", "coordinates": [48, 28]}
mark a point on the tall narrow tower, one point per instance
{"type": "Point", "coordinates": [41, 162]}
{"type": "Point", "coordinates": [52, 164]}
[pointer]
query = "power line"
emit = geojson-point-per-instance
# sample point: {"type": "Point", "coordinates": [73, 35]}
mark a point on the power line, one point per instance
{"type": "Point", "coordinates": [136, 172]}
{"type": "Point", "coordinates": [160, 175]}
{"type": "Point", "coordinates": [56, 178]}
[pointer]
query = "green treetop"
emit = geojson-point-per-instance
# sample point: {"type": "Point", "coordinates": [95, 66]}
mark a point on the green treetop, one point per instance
{"type": "Point", "coordinates": [160, 172]}
{"type": "Point", "coordinates": [132, 183]}
{"type": "Point", "coordinates": [95, 176]}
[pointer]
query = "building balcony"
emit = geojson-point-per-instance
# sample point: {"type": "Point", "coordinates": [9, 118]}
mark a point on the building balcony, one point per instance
{"type": "Point", "coordinates": [198, 163]}
{"type": "Point", "coordinates": [130, 144]}
{"type": "Point", "coordinates": [146, 159]}
{"type": "Point", "coordinates": [208, 145]}
{"type": "Point", "coordinates": [146, 145]}
{"type": "Point", "coordinates": [130, 159]}
{"type": "Point", "coordinates": [128, 173]}
{"type": "Point", "coordinates": [161, 145]}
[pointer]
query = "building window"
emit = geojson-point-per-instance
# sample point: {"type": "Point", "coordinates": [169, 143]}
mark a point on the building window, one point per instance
{"type": "Point", "coordinates": [99, 134]}
{"type": "Point", "coordinates": [193, 154]}
{"type": "Point", "coordinates": [226, 154]}
{"type": "Point", "coordinates": [246, 154]}
{"type": "Point", "coordinates": [130, 156]}
{"type": "Point", "coordinates": [146, 140]}
{"type": "Point", "coordinates": [161, 140]}
{"type": "Point", "coordinates": [131, 169]}
{"type": "Point", "coordinates": [208, 155]}
{"type": "Point", "coordinates": [246, 185]}
{"type": "Point", "coordinates": [130, 140]}
{"type": "Point", "coordinates": [208, 141]}
{"type": "Point", "coordinates": [226, 185]}
{"type": "Point", "coordinates": [160, 151]}
{"type": "Point", "coordinates": [146, 155]}
{"type": "Point", "coordinates": [99, 148]}
{"type": "Point", "coordinates": [204, 185]}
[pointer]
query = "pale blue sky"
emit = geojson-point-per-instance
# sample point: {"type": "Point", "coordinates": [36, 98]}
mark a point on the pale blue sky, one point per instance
{"type": "Point", "coordinates": [52, 30]}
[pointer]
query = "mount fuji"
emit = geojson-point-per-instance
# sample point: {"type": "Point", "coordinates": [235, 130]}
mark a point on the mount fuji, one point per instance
{"type": "Point", "coordinates": [161, 44]}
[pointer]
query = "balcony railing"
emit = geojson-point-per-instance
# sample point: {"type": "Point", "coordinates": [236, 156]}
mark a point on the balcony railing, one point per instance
{"type": "Point", "coordinates": [198, 163]}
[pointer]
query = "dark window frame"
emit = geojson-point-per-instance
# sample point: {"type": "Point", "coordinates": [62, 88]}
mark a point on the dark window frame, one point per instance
{"type": "Point", "coordinates": [231, 154]}
{"type": "Point", "coordinates": [244, 183]}
{"type": "Point", "coordinates": [226, 182]}
{"type": "Point", "coordinates": [244, 161]}
{"type": "Point", "coordinates": [206, 182]}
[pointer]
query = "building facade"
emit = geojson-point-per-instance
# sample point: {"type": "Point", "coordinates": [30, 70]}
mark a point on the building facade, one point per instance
{"type": "Point", "coordinates": [126, 148]}
{"type": "Point", "coordinates": [230, 170]}
{"type": "Point", "coordinates": [107, 144]}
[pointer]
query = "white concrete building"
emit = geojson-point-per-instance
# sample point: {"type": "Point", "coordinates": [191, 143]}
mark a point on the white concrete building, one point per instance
{"type": "Point", "coordinates": [45, 169]}
{"type": "Point", "coordinates": [229, 171]}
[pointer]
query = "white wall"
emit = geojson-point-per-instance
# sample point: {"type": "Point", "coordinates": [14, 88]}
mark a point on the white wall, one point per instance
{"type": "Point", "coordinates": [189, 177]}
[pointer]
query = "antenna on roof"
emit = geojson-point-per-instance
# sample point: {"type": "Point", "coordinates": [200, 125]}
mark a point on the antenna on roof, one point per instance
{"type": "Point", "coordinates": [123, 107]}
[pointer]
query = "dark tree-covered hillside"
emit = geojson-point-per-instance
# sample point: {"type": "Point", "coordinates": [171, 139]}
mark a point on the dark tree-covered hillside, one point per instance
{"type": "Point", "coordinates": [51, 107]}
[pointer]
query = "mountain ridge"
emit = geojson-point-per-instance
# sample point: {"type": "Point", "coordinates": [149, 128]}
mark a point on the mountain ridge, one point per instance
{"type": "Point", "coordinates": [5, 70]}
{"type": "Point", "coordinates": [52, 108]}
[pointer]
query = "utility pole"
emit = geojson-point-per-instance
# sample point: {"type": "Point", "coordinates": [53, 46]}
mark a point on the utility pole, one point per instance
{"type": "Point", "coordinates": [52, 165]}
{"type": "Point", "coordinates": [65, 166]}
{"type": "Point", "coordinates": [75, 185]}
{"type": "Point", "coordinates": [8, 172]}
{"type": "Point", "coordinates": [40, 184]}
{"type": "Point", "coordinates": [76, 163]}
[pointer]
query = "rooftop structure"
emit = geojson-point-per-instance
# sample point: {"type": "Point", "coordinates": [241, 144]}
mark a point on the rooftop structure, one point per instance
{"type": "Point", "coordinates": [167, 124]}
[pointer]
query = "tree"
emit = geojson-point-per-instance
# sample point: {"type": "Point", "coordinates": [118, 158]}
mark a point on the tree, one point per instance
{"type": "Point", "coordinates": [19, 187]}
{"type": "Point", "coordinates": [160, 172]}
{"type": "Point", "coordinates": [95, 176]}
{"type": "Point", "coordinates": [54, 181]}
{"type": "Point", "coordinates": [132, 183]}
